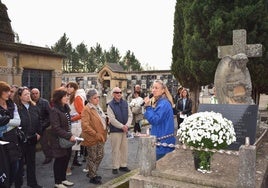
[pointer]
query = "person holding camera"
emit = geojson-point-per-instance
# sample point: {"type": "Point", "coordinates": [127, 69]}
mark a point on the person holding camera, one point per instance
{"type": "Point", "coordinates": [9, 122]}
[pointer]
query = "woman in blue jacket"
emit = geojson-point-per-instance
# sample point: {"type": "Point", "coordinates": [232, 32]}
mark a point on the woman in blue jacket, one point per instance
{"type": "Point", "coordinates": [159, 114]}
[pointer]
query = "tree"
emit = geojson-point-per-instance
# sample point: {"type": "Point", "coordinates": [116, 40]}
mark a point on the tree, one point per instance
{"type": "Point", "coordinates": [201, 26]}
{"type": "Point", "coordinates": [193, 61]}
{"type": "Point", "coordinates": [82, 60]}
{"type": "Point", "coordinates": [112, 56]}
{"type": "Point", "coordinates": [96, 58]}
{"type": "Point", "coordinates": [83, 55]}
{"type": "Point", "coordinates": [65, 48]}
{"type": "Point", "coordinates": [130, 63]}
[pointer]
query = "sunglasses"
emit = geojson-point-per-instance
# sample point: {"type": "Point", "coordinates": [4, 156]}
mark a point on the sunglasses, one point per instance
{"type": "Point", "coordinates": [21, 89]}
{"type": "Point", "coordinates": [117, 92]}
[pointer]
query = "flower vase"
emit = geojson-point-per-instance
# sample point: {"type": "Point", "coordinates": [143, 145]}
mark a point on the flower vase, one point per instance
{"type": "Point", "coordinates": [202, 161]}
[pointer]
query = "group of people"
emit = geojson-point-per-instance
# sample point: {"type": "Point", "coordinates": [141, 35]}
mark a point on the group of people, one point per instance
{"type": "Point", "coordinates": [72, 114]}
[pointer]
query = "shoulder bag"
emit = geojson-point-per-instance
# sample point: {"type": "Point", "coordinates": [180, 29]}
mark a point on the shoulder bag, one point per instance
{"type": "Point", "coordinates": [64, 143]}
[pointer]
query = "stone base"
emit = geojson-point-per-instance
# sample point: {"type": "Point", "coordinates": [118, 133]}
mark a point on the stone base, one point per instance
{"type": "Point", "coordinates": [139, 181]}
{"type": "Point", "coordinates": [176, 169]}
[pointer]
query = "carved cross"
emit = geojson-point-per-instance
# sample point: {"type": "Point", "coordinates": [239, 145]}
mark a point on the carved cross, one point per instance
{"type": "Point", "coordinates": [240, 46]}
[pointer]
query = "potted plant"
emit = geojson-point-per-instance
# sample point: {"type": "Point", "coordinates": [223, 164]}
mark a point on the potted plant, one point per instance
{"type": "Point", "coordinates": [206, 130]}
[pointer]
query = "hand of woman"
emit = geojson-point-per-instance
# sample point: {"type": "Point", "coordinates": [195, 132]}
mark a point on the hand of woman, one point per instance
{"type": "Point", "coordinates": [38, 136]}
{"type": "Point", "coordinates": [72, 139]}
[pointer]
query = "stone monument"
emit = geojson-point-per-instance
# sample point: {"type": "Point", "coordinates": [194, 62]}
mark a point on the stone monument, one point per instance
{"type": "Point", "coordinates": [229, 168]}
{"type": "Point", "coordinates": [232, 78]}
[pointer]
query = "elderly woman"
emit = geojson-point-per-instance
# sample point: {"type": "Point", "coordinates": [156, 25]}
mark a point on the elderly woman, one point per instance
{"type": "Point", "coordinates": [94, 132]}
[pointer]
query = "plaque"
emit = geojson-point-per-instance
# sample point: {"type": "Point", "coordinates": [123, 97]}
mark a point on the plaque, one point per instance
{"type": "Point", "coordinates": [243, 116]}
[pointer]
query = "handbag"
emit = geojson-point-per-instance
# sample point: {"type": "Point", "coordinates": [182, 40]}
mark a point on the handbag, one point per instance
{"type": "Point", "coordinates": [21, 136]}
{"type": "Point", "coordinates": [64, 143]}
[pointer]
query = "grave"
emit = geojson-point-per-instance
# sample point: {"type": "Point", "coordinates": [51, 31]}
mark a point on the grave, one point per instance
{"type": "Point", "coordinates": [243, 116]}
{"type": "Point", "coordinates": [232, 79]}
{"type": "Point", "coordinates": [230, 168]}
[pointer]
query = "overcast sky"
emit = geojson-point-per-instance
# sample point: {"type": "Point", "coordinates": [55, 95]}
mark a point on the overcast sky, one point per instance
{"type": "Point", "coordinates": [144, 27]}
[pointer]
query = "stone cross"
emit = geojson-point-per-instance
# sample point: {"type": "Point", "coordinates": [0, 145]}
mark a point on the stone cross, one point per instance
{"type": "Point", "coordinates": [240, 46]}
{"type": "Point", "coordinates": [232, 79]}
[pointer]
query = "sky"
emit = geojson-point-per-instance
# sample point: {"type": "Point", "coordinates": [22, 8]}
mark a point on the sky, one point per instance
{"type": "Point", "coordinates": [145, 27]}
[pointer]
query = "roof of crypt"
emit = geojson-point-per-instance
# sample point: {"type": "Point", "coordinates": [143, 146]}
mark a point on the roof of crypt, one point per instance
{"type": "Point", "coordinates": [6, 33]}
{"type": "Point", "coordinates": [114, 67]}
{"type": "Point", "coordinates": [24, 48]}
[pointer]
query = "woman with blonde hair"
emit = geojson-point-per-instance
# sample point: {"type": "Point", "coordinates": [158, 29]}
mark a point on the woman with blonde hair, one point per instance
{"type": "Point", "coordinates": [159, 114]}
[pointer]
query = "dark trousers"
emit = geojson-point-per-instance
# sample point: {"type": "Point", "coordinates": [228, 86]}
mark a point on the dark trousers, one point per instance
{"type": "Point", "coordinates": [180, 120]}
{"type": "Point", "coordinates": [60, 166]}
{"type": "Point", "coordinates": [137, 127]}
{"type": "Point", "coordinates": [45, 144]}
{"type": "Point", "coordinates": [4, 168]}
{"type": "Point", "coordinates": [14, 168]}
{"type": "Point", "coordinates": [13, 153]}
{"type": "Point", "coordinates": [28, 151]}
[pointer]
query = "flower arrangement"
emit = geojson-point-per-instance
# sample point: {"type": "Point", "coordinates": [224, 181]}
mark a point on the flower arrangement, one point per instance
{"type": "Point", "coordinates": [206, 130]}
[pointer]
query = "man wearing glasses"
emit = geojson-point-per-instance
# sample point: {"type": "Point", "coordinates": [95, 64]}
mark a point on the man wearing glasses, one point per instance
{"type": "Point", "coordinates": [120, 117]}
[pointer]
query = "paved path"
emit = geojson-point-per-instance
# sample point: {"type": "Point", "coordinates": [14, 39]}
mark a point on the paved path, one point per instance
{"type": "Point", "coordinates": [45, 172]}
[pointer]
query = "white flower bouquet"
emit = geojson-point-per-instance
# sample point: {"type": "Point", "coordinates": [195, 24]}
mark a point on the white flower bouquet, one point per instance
{"type": "Point", "coordinates": [206, 130]}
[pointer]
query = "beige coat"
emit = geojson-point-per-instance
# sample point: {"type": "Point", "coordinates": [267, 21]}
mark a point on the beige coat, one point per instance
{"type": "Point", "coordinates": [93, 130]}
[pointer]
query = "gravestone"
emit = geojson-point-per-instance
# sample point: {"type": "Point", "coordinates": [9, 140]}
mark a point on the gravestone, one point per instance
{"type": "Point", "coordinates": [232, 79]}
{"type": "Point", "coordinates": [243, 116]}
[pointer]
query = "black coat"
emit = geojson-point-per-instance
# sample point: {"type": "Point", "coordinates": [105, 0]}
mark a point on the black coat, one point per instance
{"type": "Point", "coordinates": [188, 106]}
{"type": "Point", "coordinates": [44, 108]}
{"type": "Point", "coordinates": [60, 128]}
{"type": "Point", "coordinates": [30, 120]}
{"type": "Point", "coordinates": [13, 150]}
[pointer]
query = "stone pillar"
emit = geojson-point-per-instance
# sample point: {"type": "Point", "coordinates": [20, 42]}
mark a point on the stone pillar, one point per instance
{"type": "Point", "coordinates": [247, 166]}
{"type": "Point", "coordinates": [147, 151]}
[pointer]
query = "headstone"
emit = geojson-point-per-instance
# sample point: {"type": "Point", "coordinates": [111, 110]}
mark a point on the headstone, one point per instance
{"type": "Point", "coordinates": [232, 78]}
{"type": "Point", "coordinates": [243, 116]}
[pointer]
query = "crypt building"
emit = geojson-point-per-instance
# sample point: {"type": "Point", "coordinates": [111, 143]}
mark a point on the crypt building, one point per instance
{"type": "Point", "coordinates": [27, 65]}
{"type": "Point", "coordinates": [112, 75]}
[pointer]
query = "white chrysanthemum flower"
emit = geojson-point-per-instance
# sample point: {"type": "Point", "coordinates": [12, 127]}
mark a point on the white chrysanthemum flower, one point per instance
{"type": "Point", "coordinates": [207, 129]}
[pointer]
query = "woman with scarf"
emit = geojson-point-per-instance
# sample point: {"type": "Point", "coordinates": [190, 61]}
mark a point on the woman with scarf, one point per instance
{"type": "Point", "coordinates": [94, 132]}
{"type": "Point", "coordinates": [60, 121]}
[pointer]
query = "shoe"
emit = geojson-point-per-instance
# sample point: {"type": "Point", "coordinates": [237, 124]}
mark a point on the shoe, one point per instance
{"type": "Point", "coordinates": [115, 171]}
{"type": "Point", "coordinates": [125, 169]}
{"type": "Point", "coordinates": [47, 160]}
{"type": "Point", "coordinates": [77, 163]}
{"type": "Point", "coordinates": [60, 186]}
{"type": "Point", "coordinates": [95, 180]}
{"type": "Point", "coordinates": [67, 183]}
{"type": "Point", "coordinates": [68, 172]}
{"type": "Point", "coordinates": [85, 170]}
{"type": "Point", "coordinates": [98, 177]}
